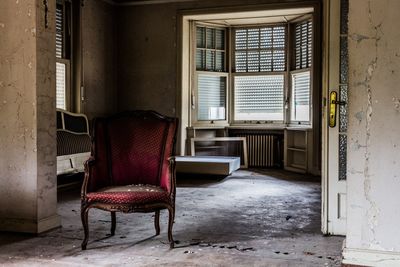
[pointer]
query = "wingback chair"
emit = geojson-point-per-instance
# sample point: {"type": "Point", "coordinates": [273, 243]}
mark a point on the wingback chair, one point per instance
{"type": "Point", "coordinates": [131, 168]}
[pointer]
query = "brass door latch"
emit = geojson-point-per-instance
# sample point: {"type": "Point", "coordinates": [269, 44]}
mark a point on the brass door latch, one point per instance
{"type": "Point", "coordinates": [333, 103]}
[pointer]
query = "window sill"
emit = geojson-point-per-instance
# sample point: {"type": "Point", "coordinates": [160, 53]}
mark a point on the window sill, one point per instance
{"type": "Point", "coordinates": [253, 126]}
{"type": "Point", "coordinates": [258, 126]}
{"type": "Point", "coordinates": [208, 126]}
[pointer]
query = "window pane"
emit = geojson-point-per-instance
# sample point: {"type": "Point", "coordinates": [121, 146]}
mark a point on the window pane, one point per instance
{"type": "Point", "coordinates": [240, 39]}
{"type": "Point", "coordinates": [59, 31]}
{"type": "Point", "coordinates": [200, 59]}
{"type": "Point", "coordinates": [61, 85]}
{"type": "Point", "coordinates": [220, 61]}
{"type": "Point", "coordinates": [278, 36]}
{"type": "Point", "coordinates": [210, 38]}
{"type": "Point", "coordinates": [211, 97]}
{"type": "Point", "coordinates": [253, 61]}
{"type": "Point", "coordinates": [253, 38]}
{"type": "Point", "coordinates": [220, 39]}
{"type": "Point", "coordinates": [266, 61]}
{"type": "Point", "coordinates": [278, 60]}
{"type": "Point", "coordinates": [200, 37]}
{"type": "Point", "coordinates": [241, 61]}
{"type": "Point", "coordinates": [300, 104]}
{"type": "Point", "coordinates": [266, 37]}
{"type": "Point", "coordinates": [210, 60]}
{"type": "Point", "coordinates": [259, 97]}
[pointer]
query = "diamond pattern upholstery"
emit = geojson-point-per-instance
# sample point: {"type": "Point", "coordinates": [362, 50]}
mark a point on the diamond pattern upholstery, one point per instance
{"type": "Point", "coordinates": [129, 194]}
{"type": "Point", "coordinates": [132, 198]}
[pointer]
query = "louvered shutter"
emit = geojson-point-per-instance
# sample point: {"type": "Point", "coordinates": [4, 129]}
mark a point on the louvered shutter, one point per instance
{"type": "Point", "coordinates": [259, 97]}
{"type": "Point", "coordinates": [303, 44]}
{"type": "Point", "coordinates": [260, 49]}
{"type": "Point", "coordinates": [59, 31]}
{"type": "Point", "coordinates": [211, 97]}
{"type": "Point", "coordinates": [300, 108]}
{"type": "Point", "coordinates": [61, 85]}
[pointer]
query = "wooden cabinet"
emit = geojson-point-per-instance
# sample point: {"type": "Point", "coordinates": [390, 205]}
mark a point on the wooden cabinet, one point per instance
{"type": "Point", "coordinates": [205, 132]}
{"type": "Point", "coordinates": [298, 149]}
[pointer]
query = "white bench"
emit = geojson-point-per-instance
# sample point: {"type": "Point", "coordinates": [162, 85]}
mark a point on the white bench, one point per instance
{"type": "Point", "coordinates": [207, 164]}
{"type": "Point", "coordinates": [73, 142]}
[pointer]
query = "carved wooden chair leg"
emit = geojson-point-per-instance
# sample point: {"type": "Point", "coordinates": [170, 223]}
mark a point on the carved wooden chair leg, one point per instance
{"type": "Point", "coordinates": [113, 223]}
{"type": "Point", "coordinates": [85, 223]}
{"type": "Point", "coordinates": [170, 224]}
{"type": "Point", "coordinates": [157, 222]}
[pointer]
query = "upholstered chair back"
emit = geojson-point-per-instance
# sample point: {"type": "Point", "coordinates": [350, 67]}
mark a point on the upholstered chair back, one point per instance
{"type": "Point", "coordinates": [132, 148]}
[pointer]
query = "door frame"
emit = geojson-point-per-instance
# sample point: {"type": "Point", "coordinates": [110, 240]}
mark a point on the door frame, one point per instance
{"type": "Point", "coordinates": [330, 80]}
{"type": "Point", "coordinates": [324, 117]}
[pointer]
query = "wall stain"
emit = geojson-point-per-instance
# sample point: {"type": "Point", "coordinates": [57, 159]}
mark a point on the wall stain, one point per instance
{"type": "Point", "coordinates": [359, 37]}
{"type": "Point", "coordinates": [396, 102]}
{"type": "Point", "coordinates": [360, 116]}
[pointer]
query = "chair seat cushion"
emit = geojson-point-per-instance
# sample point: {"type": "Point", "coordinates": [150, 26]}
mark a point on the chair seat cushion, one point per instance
{"type": "Point", "coordinates": [130, 194]}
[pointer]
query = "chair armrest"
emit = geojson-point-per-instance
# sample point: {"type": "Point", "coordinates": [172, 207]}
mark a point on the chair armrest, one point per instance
{"type": "Point", "coordinates": [90, 162]}
{"type": "Point", "coordinates": [172, 176]}
{"type": "Point", "coordinates": [88, 166]}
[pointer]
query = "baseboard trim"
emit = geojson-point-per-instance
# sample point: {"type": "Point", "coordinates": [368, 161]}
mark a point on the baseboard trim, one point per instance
{"type": "Point", "coordinates": [29, 225]}
{"type": "Point", "coordinates": [366, 257]}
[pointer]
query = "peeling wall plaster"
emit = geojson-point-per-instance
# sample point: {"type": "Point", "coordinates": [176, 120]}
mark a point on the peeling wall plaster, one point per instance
{"type": "Point", "coordinates": [374, 126]}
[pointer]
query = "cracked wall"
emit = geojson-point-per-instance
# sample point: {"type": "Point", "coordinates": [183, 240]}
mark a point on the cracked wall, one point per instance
{"type": "Point", "coordinates": [27, 117]}
{"type": "Point", "coordinates": [374, 143]}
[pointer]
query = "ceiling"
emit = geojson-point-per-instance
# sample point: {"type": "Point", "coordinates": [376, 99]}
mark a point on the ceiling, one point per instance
{"type": "Point", "coordinates": [253, 17]}
{"type": "Point", "coordinates": [142, 2]}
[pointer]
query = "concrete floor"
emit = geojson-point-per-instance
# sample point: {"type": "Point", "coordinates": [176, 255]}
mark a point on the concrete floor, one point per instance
{"type": "Point", "coordinates": [251, 218]}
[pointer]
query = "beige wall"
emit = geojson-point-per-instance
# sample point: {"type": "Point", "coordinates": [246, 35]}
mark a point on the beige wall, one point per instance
{"type": "Point", "coordinates": [99, 58]}
{"type": "Point", "coordinates": [28, 194]}
{"type": "Point", "coordinates": [374, 127]}
{"type": "Point", "coordinates": [148, 52]}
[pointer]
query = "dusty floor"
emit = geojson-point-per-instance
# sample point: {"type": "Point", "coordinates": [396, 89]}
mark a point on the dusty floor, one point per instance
{"type": "Point", "coordinates": [252, 218]}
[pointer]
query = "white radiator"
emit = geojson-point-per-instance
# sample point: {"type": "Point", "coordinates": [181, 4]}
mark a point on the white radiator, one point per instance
{"type": "Point", "coordinates": [260, 150]}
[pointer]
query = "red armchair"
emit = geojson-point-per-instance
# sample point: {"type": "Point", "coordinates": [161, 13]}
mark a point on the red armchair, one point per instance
{"type": "Point", "coordinates": [131, 168]}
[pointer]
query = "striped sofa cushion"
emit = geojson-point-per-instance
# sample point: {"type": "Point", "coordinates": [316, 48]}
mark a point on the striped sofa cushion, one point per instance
{"type": "Point", "coordinates": [69, 143]}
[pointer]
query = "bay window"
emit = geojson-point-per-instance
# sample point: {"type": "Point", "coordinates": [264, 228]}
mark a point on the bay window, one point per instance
{"type": "Point", "coordinates": [252, 74]}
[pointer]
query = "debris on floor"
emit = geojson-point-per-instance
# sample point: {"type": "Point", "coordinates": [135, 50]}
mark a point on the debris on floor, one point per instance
{"type": "Point", "coordinates": [246, 219]}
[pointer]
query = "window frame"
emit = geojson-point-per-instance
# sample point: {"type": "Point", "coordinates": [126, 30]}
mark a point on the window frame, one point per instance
{"type": "Point", "coordinates": [67, 92]}
{"type": "Point", "coordinates": [194, 109]}
{"type": "Point", "coordinates": [293, 70]}
{"type": "Point", "coordinates": [66, 52]}
{"type": "Point", "coordinates": [233, 74]}
{"type": "Point", "coordinates": [290, 95]}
